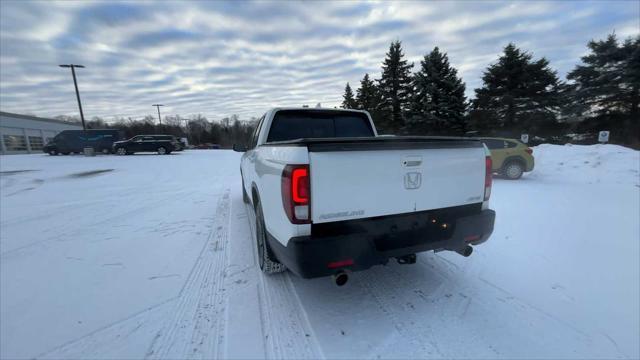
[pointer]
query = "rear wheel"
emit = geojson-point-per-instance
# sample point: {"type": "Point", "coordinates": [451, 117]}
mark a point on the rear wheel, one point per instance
{"type": "Point", "coordinates": [266, 260]}
{"type": "Point", "coordinates": [161, 150]}
{"type": "Point", "coordinates": [513, 170]}
{"type": "Point", "coordinates": [53, 152]}
{"type": "Point", "coordinates": [245, 197]}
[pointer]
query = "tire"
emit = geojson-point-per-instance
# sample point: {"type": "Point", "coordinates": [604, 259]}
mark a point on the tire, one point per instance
{"type": "Point", "coordinates": [245, 197]}
{"type": "Point", "coordinates": [53, 152]}
{"type": "Point", "coordinates": [266, 260]}
{"type": "Point", "coordinates": [106, 151]}
{"type": "Point", "coordinates": [121, 151]}
{"type": "Point", "coordinates": [513, 170]}
{"type": "Point", "coordinates": [162, 150]}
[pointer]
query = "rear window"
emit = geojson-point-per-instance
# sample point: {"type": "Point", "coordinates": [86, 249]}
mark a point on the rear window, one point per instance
{"type": "Point", "coordinates": [295, 124]}
{"type": "Point", "coordinates": [493, 143]}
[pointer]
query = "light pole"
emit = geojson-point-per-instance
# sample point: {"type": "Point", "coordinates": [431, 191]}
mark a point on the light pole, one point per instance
{"type": "Point", "coordinates": [158, 106]}
{"type": "Point", "coordinates": [75, 83]}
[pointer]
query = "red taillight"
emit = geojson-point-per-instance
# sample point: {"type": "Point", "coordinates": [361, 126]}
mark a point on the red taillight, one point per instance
{"type": "Point", "coordinates": [529, 151]}
{"type": "Point", "coordinates": [339, 264]}
{"type": "Point", "coordinates": [488, 178]}
{"type": "Point", "coordinates": [300, 185]}
{"type": "Point", "coordinates": [296, 193]}
{"type": "Point", "coordinates": [471, 238]}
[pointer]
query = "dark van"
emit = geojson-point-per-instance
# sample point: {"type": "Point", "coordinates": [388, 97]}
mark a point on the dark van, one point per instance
{"type": "Point", "coordinates": [74, 141]}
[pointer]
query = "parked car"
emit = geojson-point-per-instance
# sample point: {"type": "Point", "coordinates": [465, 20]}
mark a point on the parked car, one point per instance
{"type": "Point", "coordinates": [330, 196]}
{"type": "Point", "coordinates": [510, 158]}
{"type": "Point", "coordinates": [162, 144]}
{"type": "Point", "coordinates": [70, 141]}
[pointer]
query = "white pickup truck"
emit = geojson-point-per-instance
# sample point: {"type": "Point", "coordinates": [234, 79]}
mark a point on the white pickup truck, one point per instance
{"type": "Point", "coordinates": [331, 196]}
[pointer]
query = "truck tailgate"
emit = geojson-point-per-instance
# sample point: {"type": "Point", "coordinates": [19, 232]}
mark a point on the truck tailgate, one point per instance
{"type": "Point", "coordinates": [359, 180]}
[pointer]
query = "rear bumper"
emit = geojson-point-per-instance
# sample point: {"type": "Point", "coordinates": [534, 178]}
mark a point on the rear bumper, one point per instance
{"type": "Point", "coordinates": [530, 164]}
{"type": "Point", "coordinates": [375, 241]}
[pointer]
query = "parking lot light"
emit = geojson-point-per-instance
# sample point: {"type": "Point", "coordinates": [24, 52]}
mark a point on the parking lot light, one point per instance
{"type": "Point", "coordinates": [158, 107]}
{"type": "Point", "coordinates": [75, 83]}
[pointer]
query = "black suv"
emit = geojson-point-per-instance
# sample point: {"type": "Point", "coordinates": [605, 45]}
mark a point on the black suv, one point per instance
{"type": "Point", "coordinates": [162, 144]}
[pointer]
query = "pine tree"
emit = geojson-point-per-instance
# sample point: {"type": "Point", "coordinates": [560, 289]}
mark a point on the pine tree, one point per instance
{"type": "Point", "coordinates": [348, 101]}
{"type": "Point", "coordinates": [395, 88]}
{"type": "Point", "coordinates": [368, 97]}
{"type": "Point", "coordinates": [438, 103]}
{"type": "Point", "coordinates": [608, 82]}
{"type": "Point", "coordinates": [518, 93]}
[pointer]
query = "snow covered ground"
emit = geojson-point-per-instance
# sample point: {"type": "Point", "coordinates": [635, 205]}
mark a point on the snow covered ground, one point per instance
{"type": "Point", "coordinates": [151, 256]}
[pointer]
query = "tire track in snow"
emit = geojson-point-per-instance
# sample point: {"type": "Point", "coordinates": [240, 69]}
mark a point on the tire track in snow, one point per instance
{"type": "Point", "coordinates": [74, 232]}
{"type": "Point", "coordinates": [111, 338]}
{"type": "Point", "coordinates": [116, 335]}
{"type": "Point", "coordinates": [285, 325]}
{"type": "Point", "coordinates": [79, 207]}
{"type": "Point", "coordinates": [511, 306]}
{"type": "Point", "coordinates": [196, 329]}
{"type": "Point", "coordinates": [387, 288]}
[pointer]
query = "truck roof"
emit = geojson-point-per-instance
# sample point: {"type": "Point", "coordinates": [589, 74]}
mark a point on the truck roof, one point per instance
{"type": "Point", "coordinates": [314, 109]}
{"type": "Point", "coordinates": [497, 138]}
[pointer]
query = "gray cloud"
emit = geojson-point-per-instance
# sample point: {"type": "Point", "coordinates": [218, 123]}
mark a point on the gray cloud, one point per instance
{"type": "Point", "coordinates": [218, 58]}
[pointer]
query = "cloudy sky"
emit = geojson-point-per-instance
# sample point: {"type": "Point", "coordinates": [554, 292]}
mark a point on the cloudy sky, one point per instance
{"type": "Point", "coordinates": [221, 58]}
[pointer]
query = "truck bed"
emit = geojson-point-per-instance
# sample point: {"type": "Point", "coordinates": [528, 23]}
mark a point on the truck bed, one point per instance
{"type": "Point", "coordinates": [380, 143]}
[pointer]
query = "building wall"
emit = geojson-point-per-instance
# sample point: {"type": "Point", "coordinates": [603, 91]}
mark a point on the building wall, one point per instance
{"type": "Point", "coordinates": [24, 134]}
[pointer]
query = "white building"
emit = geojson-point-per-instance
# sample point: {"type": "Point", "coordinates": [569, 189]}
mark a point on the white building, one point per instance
{"type": "Point", "coordinates": [24, 134]}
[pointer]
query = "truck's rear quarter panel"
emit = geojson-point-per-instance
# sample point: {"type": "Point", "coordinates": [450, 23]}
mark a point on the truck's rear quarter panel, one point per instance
{"type": "Point", "coordinates": [270, 163]}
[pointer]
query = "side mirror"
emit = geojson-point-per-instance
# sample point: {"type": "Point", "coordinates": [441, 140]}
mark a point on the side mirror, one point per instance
{"type": "Point", "coordinates": [239, 147]}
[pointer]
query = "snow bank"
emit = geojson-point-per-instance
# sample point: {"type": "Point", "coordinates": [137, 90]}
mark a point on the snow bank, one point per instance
{"type": "Point", "coordinates": [586, 164]}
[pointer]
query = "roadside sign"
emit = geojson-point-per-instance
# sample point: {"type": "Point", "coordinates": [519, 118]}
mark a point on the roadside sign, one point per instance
{"type": "Point", "coordinates": [524, 138]}
{"type": "Point", "coordinates": [603, 136]}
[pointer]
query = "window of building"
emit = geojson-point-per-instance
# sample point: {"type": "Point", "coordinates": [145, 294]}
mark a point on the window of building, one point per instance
{"type": "Point", "coordinates": [15, 142]}
{"type": "Point", "coordinates": [36, 143]}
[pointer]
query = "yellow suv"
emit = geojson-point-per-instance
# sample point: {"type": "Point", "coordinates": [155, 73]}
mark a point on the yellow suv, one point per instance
{"type": "Point", "coordinates": [509, 157]}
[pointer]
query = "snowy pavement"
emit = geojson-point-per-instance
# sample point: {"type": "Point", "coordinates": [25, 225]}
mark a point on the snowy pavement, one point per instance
{"type": "Point", "coordinates": [149, 256]}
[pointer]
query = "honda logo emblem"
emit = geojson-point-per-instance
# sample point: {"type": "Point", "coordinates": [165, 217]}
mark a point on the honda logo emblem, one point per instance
{"type": "Point", "coordinates": [412, 180]}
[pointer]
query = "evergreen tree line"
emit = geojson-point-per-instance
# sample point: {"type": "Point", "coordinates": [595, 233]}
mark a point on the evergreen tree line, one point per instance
{"type": "Point", "coordinates": [197, 129]}
{"type": "Point", "coordinates": [519, 94]}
